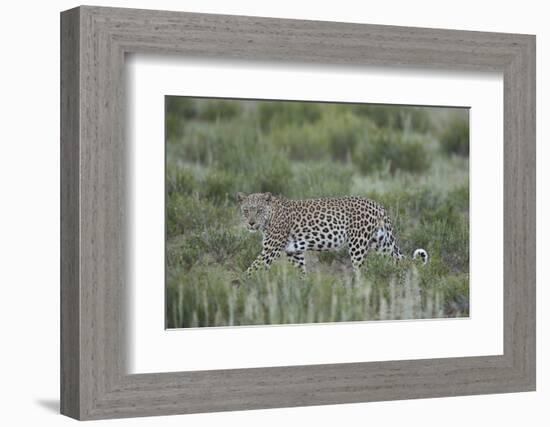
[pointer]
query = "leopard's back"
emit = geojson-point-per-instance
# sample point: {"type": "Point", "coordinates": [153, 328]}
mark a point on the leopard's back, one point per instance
{"type": "Point", "coordinates": [329, 223]}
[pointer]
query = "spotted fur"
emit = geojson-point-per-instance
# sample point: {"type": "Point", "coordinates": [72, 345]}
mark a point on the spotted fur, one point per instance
{"type": "Point", "coordinates": [296, 226]}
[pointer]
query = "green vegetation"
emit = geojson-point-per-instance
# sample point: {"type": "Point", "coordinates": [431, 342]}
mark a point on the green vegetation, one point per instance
{"type": "Point", "coordinates": [412, 160]}
{"type": "Point", "coordinates": [394, 150]}
{"type": "Point", "coordinates": [455, 138]}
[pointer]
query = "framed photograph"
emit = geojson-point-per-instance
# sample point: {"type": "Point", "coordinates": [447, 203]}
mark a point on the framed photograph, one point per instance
{"type": "Point", "coordinates": [262, 213]}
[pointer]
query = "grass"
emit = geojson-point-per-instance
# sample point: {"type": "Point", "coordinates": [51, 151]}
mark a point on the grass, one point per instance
{"type": "Point", "coordinates": [281, 296]}
{"type": "Point", "coordinates": [412, 160]}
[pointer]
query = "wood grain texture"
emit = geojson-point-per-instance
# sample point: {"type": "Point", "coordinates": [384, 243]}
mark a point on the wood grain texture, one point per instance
{"type": "Point", "coordinates": [70, 291]}
{"type": "Point", "coordinates": [94, 272]}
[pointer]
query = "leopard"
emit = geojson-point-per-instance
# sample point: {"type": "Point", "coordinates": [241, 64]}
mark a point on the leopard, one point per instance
{"type": "Point", "coordinates": [293, 227]}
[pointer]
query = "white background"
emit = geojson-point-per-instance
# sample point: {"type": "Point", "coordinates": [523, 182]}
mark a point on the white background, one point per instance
{"type": "Point", "coordinates": [29, 214]}
{"type": "Point", "coordinates": [152, 349]}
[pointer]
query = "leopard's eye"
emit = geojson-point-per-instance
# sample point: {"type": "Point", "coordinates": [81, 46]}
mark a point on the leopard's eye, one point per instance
{"type": "Point", "coordinates": [245, 211]}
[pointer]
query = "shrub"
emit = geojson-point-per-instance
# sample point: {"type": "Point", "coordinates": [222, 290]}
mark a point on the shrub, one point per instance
{"type": "Point", "coordinates": [218, 244]}
{"type": "Point", "coordinates": [232, 247]}
{"type": "Point", "coordinates": [385, 148]}
{"type": "Point", "coordinates": [411, 203]}
{"type": "Point", "coordinates": [219, 109]}
{"type": "Point", "coordinates": [239, 157]}
{"type": "Point", "coordinates": [300, 143]}
{"type": "Point", "coordinates": [194, 146]}
{"type": "Point", "coordinates": [332, 138]}
{"type": "Point", "coordinates": [231, 143]}
{"type": "Point", "coordinates": [220, 186]}
{"type": "Point", "coordinates": [178, 110]}
{"type": "Point", "coordinates": [179, 180]}
{"type": "Point", "coordinates": [189, 214]}
{"type": "Point", "coordinates": [270, 171]}
{"type": "Point", "coordinates": [181, 107]}
{"type": "Point", "coordinates": [182, 252]}
{"type": "Point", "coordinates": [396, 117]}
{"type": "Point", "coordinates": [460, 198]}
{"type": "Point", "coordinates": [344, 133]}
{"type": "Point", "coordinates": [455, 138]}
{"type": "Point", "coordinates": [236, 148]}
{"type": "Point", "coordinates": [273, 115]}
{"type": "Point", "coordinates": [320, 179]}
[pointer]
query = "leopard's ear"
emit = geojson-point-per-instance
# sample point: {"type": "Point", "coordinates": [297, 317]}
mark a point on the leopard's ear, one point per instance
{"type": "Point", "coordinates": [240, 197]}
{"type": "Point", "coordinates": [268, 196]}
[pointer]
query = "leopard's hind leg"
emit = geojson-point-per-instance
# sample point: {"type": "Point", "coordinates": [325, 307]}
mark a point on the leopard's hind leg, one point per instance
{"type": "Point", "coordinates": [298, 260]}
{"type": "Point", "coordinates": [384, 240]}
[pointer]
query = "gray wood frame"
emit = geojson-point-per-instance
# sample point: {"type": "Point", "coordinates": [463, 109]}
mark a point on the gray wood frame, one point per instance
{"type": "Point", "coordinates": [94, 41]}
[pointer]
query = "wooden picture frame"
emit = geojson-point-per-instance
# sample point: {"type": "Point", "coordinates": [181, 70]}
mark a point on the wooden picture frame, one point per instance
{"type": "Point", "coordinates": [94, 382]}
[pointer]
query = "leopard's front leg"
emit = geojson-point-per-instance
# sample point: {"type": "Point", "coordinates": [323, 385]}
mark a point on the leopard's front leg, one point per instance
{"type": "Point", "coordinates": [264, 260]}
{"type": "Point", "coordinates": [271, 250]}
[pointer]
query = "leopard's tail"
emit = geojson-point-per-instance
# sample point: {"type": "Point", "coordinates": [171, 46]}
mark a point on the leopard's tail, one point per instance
{"type": "Point", "coordinates": [422, 254]}
{"type": "Point", "coordinates": [384, 229]}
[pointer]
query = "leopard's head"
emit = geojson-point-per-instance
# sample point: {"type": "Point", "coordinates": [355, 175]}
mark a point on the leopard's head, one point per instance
{"type": "Point", "coordinates": [256, 210]}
